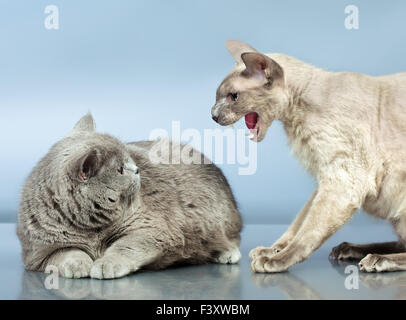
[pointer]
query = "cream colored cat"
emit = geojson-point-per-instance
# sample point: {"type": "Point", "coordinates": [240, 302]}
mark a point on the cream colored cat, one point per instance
{"type": "Point", "coordinates": [347, 129]}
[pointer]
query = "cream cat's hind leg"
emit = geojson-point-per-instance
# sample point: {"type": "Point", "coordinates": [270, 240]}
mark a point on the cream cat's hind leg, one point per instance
{"type": "Point", "coordinates": [230, 256]}
{"type": "Point", "coordinates": [394, 260]}
{"type": "Point", "coordinates": [350, 251]}
{"type": "Point", "coordinates": [382, 263]}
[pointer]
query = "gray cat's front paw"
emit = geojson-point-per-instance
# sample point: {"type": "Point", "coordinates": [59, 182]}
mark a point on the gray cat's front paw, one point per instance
{"type": "Point", "coordinates": [76, 268]}
{"type": "Point", "coordinates": [111, 267]}
{"type": "Point", "coordinates": [231, 256]}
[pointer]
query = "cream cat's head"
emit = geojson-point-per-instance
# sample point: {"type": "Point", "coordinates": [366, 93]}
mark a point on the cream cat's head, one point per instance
{"type": "Point", "coordinates": [255, 89]}
{"type": "Point", "coordinates": [92, 178]}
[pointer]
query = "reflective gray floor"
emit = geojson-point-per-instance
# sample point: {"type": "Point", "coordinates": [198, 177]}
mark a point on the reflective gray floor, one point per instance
{"type": "Point", "coordinates": [316, 278]}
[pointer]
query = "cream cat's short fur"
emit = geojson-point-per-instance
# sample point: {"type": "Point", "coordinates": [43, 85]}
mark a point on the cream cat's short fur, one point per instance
{"type": "Point", "coordinates": [347, 129]}
{"type": "Point", "coordinates": [94, 206]}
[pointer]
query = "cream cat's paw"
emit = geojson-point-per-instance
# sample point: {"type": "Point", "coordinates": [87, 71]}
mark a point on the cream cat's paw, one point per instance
{"type": "Point", "coordinates": [111, 267]}
{"type": "Point", "coordinates": [377, 263]}
{"type": "Point", "coordinates": [264, 264]}
{"type": "Point", "coordinates": [73, 267]}
{"type": "Point", "coordinates": [264, 251]}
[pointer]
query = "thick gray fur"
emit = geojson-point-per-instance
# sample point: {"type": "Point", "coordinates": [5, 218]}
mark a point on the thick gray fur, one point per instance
{"type": "Point", "coordinates": [96, 207]}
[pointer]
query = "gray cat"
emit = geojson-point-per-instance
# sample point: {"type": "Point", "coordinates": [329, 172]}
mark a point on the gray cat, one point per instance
{"type": "Point", "coordinates": [96, 207]}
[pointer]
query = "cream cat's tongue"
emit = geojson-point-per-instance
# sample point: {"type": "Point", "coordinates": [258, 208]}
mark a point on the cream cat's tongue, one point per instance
{"type": "Point", "coordinates": [251, 120]}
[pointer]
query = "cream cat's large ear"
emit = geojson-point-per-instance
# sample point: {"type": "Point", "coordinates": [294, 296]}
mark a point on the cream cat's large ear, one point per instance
{"type": "Point", "coordinates": [237, 48]}
{"type": "Point", "coordinates": [86, 123]}
{"type": "Point", "coordinates": [261, 67]}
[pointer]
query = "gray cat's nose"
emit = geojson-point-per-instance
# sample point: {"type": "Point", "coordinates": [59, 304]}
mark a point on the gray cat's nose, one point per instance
{"type": "Point", "coordinates": [215, 118]}
{"type": "Point", "coordinates": [132, 167]}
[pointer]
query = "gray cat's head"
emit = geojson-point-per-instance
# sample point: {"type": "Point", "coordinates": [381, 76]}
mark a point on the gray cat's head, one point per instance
{"type": "Point", "coordinates": [97, 179]}
{"type": "Point", "coordinates": [254, 89]}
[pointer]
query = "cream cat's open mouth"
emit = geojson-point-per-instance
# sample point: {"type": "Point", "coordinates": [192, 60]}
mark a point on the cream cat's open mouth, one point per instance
{"type": "Point", "coordinates": [253, 124]}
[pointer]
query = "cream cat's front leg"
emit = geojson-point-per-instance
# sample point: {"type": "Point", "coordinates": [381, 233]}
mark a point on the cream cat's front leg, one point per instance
{"type": "Point", "coordinates": [332, 207]}
{"type": "Point", "coordinates": [71, 263]}
{"type": "Point", "coordinates": [125, 256]}
{"type": "Point", "coordinates": [288, 236]}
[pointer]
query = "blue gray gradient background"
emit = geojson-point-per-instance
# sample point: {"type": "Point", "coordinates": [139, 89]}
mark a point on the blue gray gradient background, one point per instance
{"type": "Point", "coordinates": [138, 65]}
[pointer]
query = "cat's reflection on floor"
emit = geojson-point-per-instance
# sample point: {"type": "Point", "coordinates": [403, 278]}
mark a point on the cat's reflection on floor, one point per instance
{"type": "Point", "coordinates": [191, 282]}
{"type": "Point", "coordinates": [291, 286]}
{"type": "Point", "coordinates": [376, 281]}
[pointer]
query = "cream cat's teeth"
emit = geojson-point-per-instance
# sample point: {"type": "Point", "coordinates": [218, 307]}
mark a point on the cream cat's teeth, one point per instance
{"type": "Point", "coordinates": [250, 135]}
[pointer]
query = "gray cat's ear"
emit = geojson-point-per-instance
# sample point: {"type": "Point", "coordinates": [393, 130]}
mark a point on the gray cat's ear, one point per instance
{"type": "Point", "coordinates": [87, 166]}
{"type": "Point", "coordinates": [237, 48]}
{"type": "Point", "coordinates": [260, 66]}
{"type": "Point", "coordinates": [86, 123]}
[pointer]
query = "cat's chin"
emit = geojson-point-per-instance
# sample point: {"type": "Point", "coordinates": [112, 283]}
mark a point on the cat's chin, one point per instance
{"type": "Point", "coordinates": [135, 189]}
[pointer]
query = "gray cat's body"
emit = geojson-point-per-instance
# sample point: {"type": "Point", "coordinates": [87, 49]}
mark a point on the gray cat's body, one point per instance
{"type": "Point", "coordinates": [96, 207]}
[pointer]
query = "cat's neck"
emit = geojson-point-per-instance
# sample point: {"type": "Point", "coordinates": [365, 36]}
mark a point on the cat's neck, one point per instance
{"type": "Point", "coordinates": [298, 74]}
{"type": "Point", "coordinates": [301, 81]}
{"type": "Point", "coordinates": [305, 90]}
